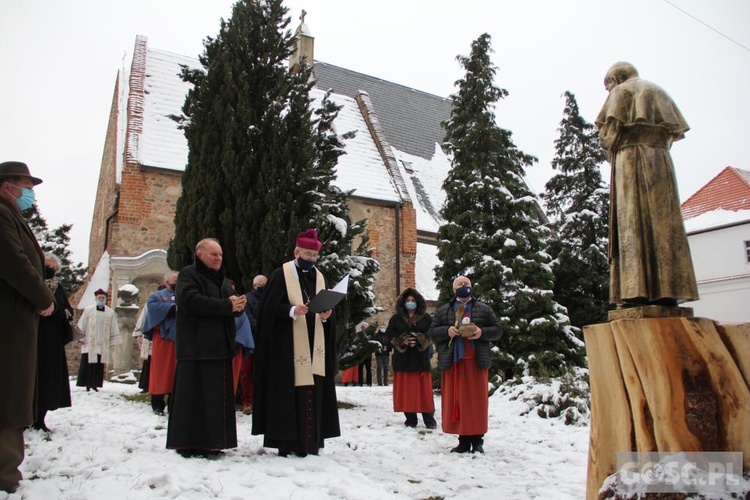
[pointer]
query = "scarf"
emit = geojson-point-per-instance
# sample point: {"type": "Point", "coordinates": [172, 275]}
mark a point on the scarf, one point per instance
{"type": "Point", "coordinates": [305, 364]}
{"type": "Point", "coordinates": [459, 350]}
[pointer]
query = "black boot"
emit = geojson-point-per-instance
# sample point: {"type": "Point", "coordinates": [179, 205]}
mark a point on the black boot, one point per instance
{"type": "Point", "coordinates": [476, 444]}
{"type": "Point", "coordinates": [411, 419]}
{"type": "Point", "coordinates": [429, 420]}
{"type": "Point", "coordinates": [464, 445]}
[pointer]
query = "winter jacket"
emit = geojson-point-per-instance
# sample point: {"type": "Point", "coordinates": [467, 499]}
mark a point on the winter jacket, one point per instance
{"type": "Point", "coordinates": [482, 316]}
{"type": "Point", "coordinates": [410, 358]}
{"type": "Point", "coordinates": [205, 322]}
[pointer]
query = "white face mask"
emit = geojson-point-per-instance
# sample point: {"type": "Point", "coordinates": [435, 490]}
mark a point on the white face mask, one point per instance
{"type": "Point", "coordinates": [101, 303]}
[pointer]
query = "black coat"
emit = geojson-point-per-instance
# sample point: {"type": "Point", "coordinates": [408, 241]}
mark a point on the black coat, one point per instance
{"type": "Point", "coordinates": [274, 398]}
{"type": "Point", "coordinates": [410, 358]}
{"type": "Point", "coordinates": [53, 387]}
{"type": "Point", "coordinates": [482, 315]}
{"type": "Point", "coordinates": [205, 321]}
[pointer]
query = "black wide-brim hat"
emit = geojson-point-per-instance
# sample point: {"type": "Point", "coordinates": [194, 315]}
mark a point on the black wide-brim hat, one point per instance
{"type": "Point", "coordinates": [13, 169]}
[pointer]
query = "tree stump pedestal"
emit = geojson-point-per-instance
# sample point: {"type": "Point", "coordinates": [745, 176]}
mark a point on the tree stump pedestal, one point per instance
{"type": "Point", "coordinates": [664, 381]}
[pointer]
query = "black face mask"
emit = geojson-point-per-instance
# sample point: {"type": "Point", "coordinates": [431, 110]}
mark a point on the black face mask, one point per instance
{"type": "Point", "coordinates": [49, 272]}
{"type": "Point", "coordinates": [259, 289]}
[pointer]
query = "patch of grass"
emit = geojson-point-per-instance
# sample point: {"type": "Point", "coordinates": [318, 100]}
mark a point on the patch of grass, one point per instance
{"type": "Point", "coordinates": [141, 397]}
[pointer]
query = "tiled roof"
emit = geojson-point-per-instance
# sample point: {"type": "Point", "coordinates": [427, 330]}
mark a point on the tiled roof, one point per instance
{"type": "Point", "coordinates": [361, 169]}
{"type": "Point", "coordinates": [729, 191]}
{"type": "Point", "coordinates": [411, 118]}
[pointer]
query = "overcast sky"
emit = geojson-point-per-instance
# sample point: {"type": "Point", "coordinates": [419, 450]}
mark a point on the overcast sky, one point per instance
{"type": "Point", "coordinates": [60, 60]}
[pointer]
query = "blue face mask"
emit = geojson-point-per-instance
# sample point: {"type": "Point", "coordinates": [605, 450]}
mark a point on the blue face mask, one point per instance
{"type": "Point", "coordinates": [26, 200]}
{"type": "Point", "coordinates": [410, 305]}
{"type": "Point", "coordinates": [304, 264]}
{"type": "Point", "coordinates": [463, 291]}
{"type": "Point", "coordinates": [101, 303]}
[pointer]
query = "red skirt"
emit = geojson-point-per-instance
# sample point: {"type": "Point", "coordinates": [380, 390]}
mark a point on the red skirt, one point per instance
{"type": "Point", "coordinates": [350, 375]}
{"type": "Point", "coordinates": [236, 368]}
{"type": "Point", "coordinates": [465, 399]}
{"type": "Point", "coordinates": [163, 365]}
{"type": "Point", "coordinates": [412, 392]}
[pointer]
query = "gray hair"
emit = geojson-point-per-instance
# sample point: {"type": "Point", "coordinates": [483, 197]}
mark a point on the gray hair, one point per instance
{"type": "Point", "coordinates": [169, 275]}
{"type": "Point", "coordinates": [58, 262]}
{"type": "Point", "coordinates": [205, 241]}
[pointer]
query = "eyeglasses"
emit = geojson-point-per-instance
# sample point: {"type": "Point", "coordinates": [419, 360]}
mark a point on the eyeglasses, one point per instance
{"type": "Point", "coordinates": [309, 255]}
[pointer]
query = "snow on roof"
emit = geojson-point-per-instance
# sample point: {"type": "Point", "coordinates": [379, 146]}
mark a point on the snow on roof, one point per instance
{"type": "Point", "coordinates": [729, 190]}
{"type": "Point", "coordinates": [162, 144]}
{"type": "Point", "coordinates": [100, 279]}
{"type": "Point", "coordinates": [424, 182]}
{"type": "Point", "coordinates": [362, 168]}
{"type": "Point", "coordinates": [424, 269]}
{"type": "Point", "coordinates": [716, 219]}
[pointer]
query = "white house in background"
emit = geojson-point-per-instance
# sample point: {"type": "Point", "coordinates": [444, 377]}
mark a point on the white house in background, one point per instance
{"type": "Point", "coordinates": [717, 221]}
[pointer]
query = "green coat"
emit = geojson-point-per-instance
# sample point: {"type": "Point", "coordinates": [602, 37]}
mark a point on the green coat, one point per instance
{"type": "Point", "coordinates": [23, 293]}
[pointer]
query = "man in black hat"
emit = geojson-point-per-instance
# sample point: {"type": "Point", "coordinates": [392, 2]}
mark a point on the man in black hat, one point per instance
{"type": "Point", "coordinates": [24, 296]}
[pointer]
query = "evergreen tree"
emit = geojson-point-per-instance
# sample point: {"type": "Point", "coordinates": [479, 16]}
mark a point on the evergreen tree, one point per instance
{"type": "Point", "coordinates": [578, 203]}
{"type": "Point", "coordinates": [261, 161]}
{"type": "Point", "coordinates": [494, 233]}
{"type": "Point", "coordinates": [330, 217]}
{"type": "Point", "coordinates": [57, 241]}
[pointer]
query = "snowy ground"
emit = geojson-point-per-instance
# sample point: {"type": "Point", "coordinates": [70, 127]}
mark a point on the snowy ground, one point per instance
{"type": "Point", "coordinates": [111, 448]}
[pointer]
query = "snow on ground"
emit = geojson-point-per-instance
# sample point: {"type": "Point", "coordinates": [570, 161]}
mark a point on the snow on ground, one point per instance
{"type": "Point", "coordinates": [110, 448]}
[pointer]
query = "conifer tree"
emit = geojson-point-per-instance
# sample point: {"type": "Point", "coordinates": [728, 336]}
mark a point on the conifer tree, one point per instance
{"type": "Point", "coordinates": [494, 231]}
{"type": "Point", "coordinates": [56, 241]}
{"type": "Point", "coordinates": [577, 201]}
{"type": "Point", "coordinates": [248, 126]}
{"type": "Point", "coordinates": [261, 161]}
{"type": "Point", "coordinates": [331, 217]}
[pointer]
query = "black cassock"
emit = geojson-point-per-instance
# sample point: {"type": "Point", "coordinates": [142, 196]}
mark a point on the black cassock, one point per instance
{"type": "Point", "coordinates": [292, 419]}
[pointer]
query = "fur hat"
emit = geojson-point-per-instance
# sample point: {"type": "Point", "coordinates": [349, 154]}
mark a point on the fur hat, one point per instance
{"type": "Point", "coordinates": [309, 240]}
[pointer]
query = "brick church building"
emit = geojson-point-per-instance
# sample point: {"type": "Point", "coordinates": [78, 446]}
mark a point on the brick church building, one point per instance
{"type": "Point", "coordinates": [394, 165]}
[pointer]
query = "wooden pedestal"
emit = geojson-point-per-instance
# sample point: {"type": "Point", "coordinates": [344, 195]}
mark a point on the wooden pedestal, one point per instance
{"type": "Point", "coordinates": [666, 384]}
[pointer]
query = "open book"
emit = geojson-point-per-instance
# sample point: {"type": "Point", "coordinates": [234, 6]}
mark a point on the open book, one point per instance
{"type": "Point", "coordinates": [327, 299]}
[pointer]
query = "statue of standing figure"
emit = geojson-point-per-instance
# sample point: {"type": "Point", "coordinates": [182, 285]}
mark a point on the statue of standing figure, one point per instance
{"type": "Point", "coordinates": [649, 256]}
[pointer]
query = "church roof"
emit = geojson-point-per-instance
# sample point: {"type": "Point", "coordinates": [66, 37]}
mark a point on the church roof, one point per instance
{"type": "Point", "coordinates": [729, 191]}
{"type": "Point", "coordinates": [410, 120]}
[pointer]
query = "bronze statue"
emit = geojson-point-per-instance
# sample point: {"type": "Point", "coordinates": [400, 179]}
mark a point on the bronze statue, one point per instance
{"type": "Point", "coordinates": [648, 250]}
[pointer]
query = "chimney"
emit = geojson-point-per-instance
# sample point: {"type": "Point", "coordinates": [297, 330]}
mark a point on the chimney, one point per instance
{"type": "Point", "coordinates": [304, 44]}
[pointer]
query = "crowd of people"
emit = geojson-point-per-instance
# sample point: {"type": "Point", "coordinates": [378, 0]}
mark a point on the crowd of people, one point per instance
{"type": "Point", "coordinates": [206, 348]}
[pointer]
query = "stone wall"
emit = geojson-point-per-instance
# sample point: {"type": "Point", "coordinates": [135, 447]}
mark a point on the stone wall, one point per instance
{"type": "Point", "coordinates": [381, 228]}
{"type": "Point", "coordinates": [145, 218]}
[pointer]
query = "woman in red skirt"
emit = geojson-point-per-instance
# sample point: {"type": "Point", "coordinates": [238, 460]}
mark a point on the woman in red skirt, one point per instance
{"type": "Point", "coordinates": [412, 349]}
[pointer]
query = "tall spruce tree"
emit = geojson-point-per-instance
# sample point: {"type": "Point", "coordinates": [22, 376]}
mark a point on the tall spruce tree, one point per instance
{"type": "Point", "coordinates": [261, 161]}
{"type": "Point", "coordinates": [577, 201]}
{"type": "Point", "coordinates": [57, 241]}
{"type": "Point", "coordinates": [494, 231]}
